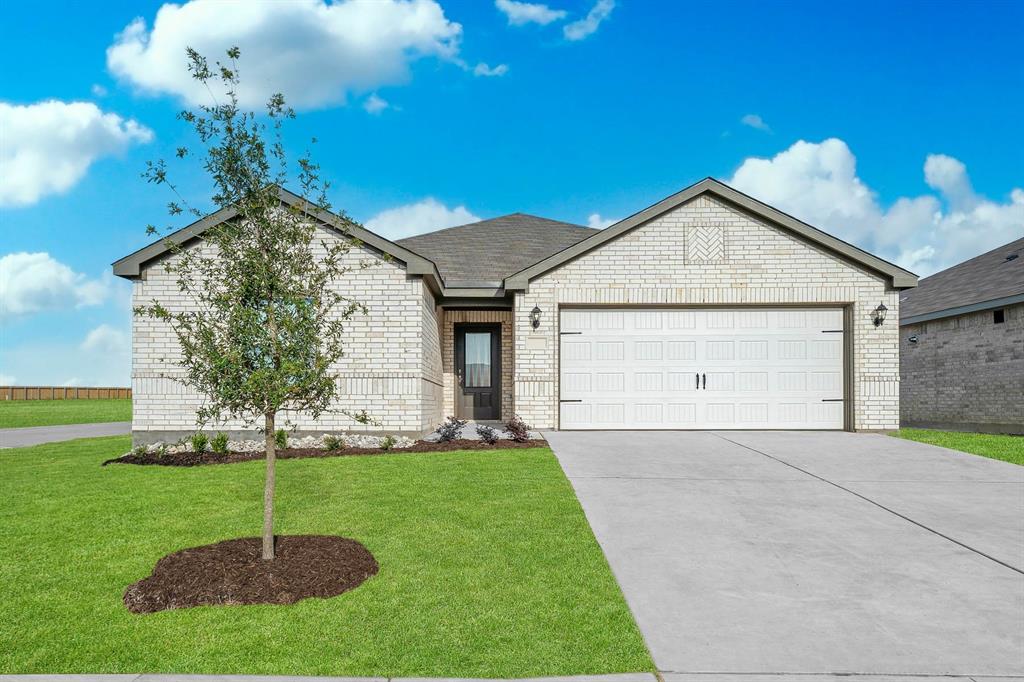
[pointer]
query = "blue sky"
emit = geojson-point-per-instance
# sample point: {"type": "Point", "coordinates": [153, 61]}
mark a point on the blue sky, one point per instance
{"type": "Point", "coordinates": [895, 127]}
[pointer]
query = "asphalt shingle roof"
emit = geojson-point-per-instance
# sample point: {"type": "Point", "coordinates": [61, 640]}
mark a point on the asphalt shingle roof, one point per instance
{"type": "Point", "coordinates": [491, 250]}
{"type": "Point", "coordinates": [992, 275]}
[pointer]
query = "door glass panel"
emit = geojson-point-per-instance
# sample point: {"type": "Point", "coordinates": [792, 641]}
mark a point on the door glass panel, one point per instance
{"type": "Point", "coordinates": [478, 359]}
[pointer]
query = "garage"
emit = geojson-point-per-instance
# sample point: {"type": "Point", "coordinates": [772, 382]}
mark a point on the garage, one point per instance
{"type": "Point", "coordinates": [702, 368]}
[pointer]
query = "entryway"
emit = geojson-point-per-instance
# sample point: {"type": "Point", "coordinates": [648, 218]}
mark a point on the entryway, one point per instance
{"type": "Point", "coordinates": [478, 371]}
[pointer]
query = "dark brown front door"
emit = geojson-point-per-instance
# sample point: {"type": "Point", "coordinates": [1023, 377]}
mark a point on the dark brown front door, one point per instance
{"type": "Point", "coordinates": [478, 371]}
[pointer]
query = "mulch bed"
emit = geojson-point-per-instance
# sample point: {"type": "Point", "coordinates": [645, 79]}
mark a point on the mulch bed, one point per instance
{"type": "Point", "coordinates": [232, 573]}
{"type": "Point", "coordinates": [191, 459]}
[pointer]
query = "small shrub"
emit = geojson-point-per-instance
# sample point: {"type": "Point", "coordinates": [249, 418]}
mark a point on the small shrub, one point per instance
{"type": "Point", "coordinates": [487, 434]}
{"type": "Point", "coordinates": [332, 443]}
{"type": "Point", "coordinates": [161, 450]}
{"type": "Point", "coordinates": [219, 444]}
{"type": "Point", "coordinates": [139, 450]}
{"type": "Point", "coordinates": [517, 429]}
{"type": "Point", "coordinates": [387, 442]}
{"type": "Point", "coordinates": [281, 439]}
{"type": "Point", "coordinates": [450, 429]}
{"type": "Point", "coordinates": [199, 441]}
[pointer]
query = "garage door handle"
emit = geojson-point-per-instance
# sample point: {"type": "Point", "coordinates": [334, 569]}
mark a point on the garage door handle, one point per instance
{"type": "Point", "coordinates": [705, 382]}
{"type": "Point", "coordinates": [698, 381]}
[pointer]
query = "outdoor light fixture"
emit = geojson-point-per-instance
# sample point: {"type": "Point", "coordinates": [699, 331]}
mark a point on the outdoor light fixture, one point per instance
{"type": "Point", "coordinates": [913, 338]}
{"type": "Point", "coordinates": [535, 317]}
{"type": "Point", "coordinates": [879, 314]}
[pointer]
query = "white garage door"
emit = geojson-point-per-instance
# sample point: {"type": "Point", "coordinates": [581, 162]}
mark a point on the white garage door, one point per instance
{"type": "Point", "coordinates": [702, 369]}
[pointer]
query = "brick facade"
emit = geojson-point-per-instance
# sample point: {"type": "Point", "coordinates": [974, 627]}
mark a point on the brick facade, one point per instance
{"type": "Point", "coordinates": [391, 367]}
{"type": "Point", "coordinates": [703, 253]}
{"type": "Point", "coordinates": [399, 362]}
{"type": "Point", "coordinates": [964, 372]}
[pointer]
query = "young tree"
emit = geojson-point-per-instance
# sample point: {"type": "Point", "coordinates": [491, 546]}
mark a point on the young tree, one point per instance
{"type": "Point", "coordinates": [265, 319]}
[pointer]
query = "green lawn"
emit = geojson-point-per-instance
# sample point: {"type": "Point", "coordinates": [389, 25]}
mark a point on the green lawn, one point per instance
{"type": "Point", "coordinates": [487, 567]}
{"type": "Point", "coordinates": [1006, 448]}
{"type": "Point", "coordinates": [18, 413]}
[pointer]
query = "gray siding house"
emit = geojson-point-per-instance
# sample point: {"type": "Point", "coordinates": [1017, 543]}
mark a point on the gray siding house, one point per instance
{"type": "Point", "coordinates": [708, 309]}
{"type": "Point", "coordinates": [962, 346]}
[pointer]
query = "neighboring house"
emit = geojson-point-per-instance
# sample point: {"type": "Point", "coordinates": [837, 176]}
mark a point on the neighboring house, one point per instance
{"type": "Point", "coordinates": [962, 346]}
{"type": "Point", "coordinates": [706, 310]}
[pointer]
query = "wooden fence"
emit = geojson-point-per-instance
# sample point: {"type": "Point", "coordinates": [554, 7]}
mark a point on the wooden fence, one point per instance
{"type": "Point", "coordinates": [63, 392]}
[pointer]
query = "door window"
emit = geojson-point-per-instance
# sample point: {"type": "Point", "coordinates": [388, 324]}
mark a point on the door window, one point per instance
{"type": "Point", "coordinates": [478, 359]}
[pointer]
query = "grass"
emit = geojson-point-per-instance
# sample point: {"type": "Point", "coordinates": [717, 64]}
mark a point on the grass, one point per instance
{"type": "Point", "coordinates": [488, 567]}
{"type": "Point", "coordinates": [19, 413]}
{"type": "Point", "coordinates": [1006, 448]}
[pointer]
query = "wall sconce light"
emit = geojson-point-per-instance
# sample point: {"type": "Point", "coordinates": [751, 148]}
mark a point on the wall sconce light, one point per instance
{"type": "Point", "coordinates": [535, 317]}
{"type": "Point", "coordinates": [879, 314]}
{"type": "Point", "coordinates": [913, 338]}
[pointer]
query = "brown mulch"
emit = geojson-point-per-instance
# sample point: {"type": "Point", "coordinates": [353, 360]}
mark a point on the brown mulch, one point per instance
{"type": "Point", "coordinates": [231, 573]}
{"type": "Point", "coordinates": [191, 459]}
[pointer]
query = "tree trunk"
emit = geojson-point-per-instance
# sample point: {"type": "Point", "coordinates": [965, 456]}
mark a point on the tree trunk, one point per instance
{"type": "Point", "coordinates": [268, 490]}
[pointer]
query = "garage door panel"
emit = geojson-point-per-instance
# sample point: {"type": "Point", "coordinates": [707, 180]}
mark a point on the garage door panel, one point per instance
{"type": "Point", "coordinates": [764, 368]}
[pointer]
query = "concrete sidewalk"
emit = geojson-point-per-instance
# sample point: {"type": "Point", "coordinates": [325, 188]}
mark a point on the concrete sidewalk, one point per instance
{"type": "Point", "coordinates": [36, 435]}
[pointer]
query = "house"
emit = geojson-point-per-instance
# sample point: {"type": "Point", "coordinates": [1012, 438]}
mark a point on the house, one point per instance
{"type": "Point", "coordinates": [707, 310]}
{"type": "Point", "coordinates": [962, 346]}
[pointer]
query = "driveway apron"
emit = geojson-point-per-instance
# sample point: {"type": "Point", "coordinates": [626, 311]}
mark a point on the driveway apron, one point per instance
{"type": "Point", "coordinates": [808, 552]}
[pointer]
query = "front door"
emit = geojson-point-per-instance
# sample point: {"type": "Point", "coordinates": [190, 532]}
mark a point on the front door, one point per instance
{"type": "Point", "coordinates": [478, 371]}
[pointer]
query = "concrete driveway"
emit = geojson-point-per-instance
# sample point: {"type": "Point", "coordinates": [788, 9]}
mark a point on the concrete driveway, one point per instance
{"type": "Point", "coordinates": [808, 552]}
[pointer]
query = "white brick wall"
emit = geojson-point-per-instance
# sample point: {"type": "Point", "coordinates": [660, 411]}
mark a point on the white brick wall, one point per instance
{"type": "Point", "coordinates": [705, 253]}
{"type": "Point", "coordinates": [391, 367]}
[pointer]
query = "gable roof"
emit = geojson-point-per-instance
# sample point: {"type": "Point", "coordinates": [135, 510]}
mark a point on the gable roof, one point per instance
{"type": "Point", "coordinates": [486, 252]}
{"type": "Point", "coordinates": [898, 277]}
{"type": "Point", "coordinates": [131, 265]}
{"type": "Point", "coordinates": [990, 280]}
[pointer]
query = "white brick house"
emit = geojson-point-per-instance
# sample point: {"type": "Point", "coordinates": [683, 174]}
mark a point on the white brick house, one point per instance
{"type": "Point", "coordinates": [708, 309]}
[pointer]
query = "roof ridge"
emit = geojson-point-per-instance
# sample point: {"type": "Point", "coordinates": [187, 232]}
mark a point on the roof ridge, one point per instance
{"type": "Point", "coordinates": [489, 220]}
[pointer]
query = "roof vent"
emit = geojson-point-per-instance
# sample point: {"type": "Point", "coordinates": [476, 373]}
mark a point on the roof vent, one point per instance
{"type": "Point", "coordinates": [1012, 256]}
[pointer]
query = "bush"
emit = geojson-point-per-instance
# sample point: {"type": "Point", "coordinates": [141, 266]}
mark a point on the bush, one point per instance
{"type": "Point", "coordinates": [281, 439]}
{"type": "Point", "coordinates": [332, 443]}
{"type": "Point", "coordinates": [450, 429]}
{"type": "Point", "coordinates": [161, 450]}
{"type": "Point", "coordinates": [487, 434]}
{"type": "Point", "coordinates": [199, 441]}
{"type": "Point", "coordinates": [388, 442]}
{"type": "Point", "coordinates": [219, 444]}
{"type": "Point", "coordinates": [517, 429]}
{"type": "Point", "coordinates": [139, 450]}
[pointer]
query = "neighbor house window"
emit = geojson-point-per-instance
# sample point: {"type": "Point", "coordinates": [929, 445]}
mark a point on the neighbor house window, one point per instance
{"type": "Point", "coordinates": [998, 316]}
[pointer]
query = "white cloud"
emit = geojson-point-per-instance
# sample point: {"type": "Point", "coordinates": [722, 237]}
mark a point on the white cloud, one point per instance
{"type": "Point", "coordinates": [598, 223]}
{"type": "Point", "coordinates": [423, 216]}
{"type": "Point", "coordinates": [98, 90]}
{"type": "Point", "coordinates": [7, 380]}
{"type": "Point", "coordinates": [375, 104]}
{"type": "Point", "coordinates": [756, 122]}
{"type": "Point", "coordinates": [578, 30]}
{"type": "Point", "coordinates": [48, 146]}
{"type": "Point", "coordinates": [818, 183]}
{"type": "Point", "coordinates": [482, 69]}
{"type": "Point", "coordinates": [106, 339]}
{"type": "Point", "coordinates": [34, 282]}
{"type": "Point", "coordinates": [312, 51]}
{"type": "Point", "coordinates": [519, 13]}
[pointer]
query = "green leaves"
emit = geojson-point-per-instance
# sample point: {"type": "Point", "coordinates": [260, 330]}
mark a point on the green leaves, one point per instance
{"type": "Point", "coordinates": [263, 321]}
